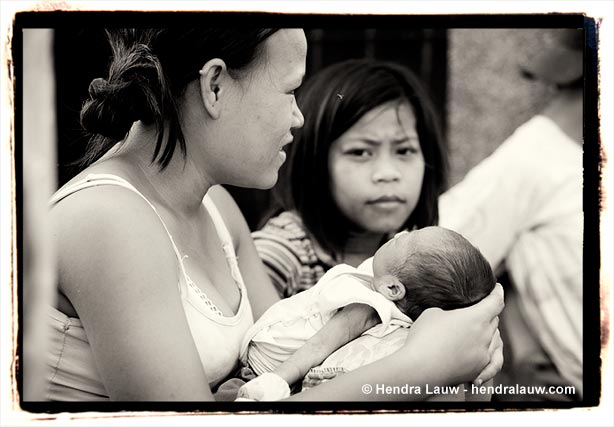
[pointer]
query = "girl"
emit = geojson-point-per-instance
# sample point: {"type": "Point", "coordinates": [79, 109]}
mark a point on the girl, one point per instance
{"type": "Point", "coordinates": [368, 162]}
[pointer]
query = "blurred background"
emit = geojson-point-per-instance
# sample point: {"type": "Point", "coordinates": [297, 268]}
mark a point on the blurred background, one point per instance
{"type": "Point", "coordinates": [473, 77]}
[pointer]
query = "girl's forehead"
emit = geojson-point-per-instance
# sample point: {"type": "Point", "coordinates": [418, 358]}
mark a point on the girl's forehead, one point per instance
{"type": "Point", "coordinates": [393, 120]}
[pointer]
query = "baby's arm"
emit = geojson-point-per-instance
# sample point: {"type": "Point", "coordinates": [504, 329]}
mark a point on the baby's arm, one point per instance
{"type": "Point", "coordinates": [345, 325]}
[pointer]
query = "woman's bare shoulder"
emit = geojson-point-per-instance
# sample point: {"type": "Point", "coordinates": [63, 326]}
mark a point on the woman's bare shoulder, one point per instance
{"type": "Point", "coordinates": [111, 226]}
{"type": "Point", "coordinates": [102, 204]}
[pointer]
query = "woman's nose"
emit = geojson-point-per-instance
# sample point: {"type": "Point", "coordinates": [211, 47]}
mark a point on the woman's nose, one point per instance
{"type": "Point", "coordinates": [386, 171]}
{"type": "Point", "coordinates": [297, 117]}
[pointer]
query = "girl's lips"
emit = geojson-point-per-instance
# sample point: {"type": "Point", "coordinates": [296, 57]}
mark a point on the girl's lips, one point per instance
{"type": "Point", "coordinates": [386, 203]}
{"type": "Point", "coordinates": [387, 199]}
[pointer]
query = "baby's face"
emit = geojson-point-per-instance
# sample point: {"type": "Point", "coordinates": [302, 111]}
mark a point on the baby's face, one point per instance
{"type": "Point", "coordinates": [393, 255]}
{"type": "Point", "coordinates": [393, 252]}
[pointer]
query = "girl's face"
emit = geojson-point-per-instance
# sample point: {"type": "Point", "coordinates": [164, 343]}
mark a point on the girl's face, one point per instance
{"type": "Point", "coordinates": [259, 114]}
{"type": "Point", "coordinates": [377, 167]}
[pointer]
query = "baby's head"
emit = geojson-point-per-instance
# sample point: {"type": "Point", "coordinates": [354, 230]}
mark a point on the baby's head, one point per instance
{"type": "Point", "coordinates": [431, 267]}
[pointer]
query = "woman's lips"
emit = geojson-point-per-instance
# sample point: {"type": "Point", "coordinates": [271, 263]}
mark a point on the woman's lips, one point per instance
{"type": "Point", "coordinates": [288, 140]}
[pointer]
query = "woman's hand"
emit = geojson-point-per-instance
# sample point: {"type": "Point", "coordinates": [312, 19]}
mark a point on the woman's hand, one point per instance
{"type": "Point", "coordinates": [464, 343]}
{"type": "Point", "coordinates": [495, 351]}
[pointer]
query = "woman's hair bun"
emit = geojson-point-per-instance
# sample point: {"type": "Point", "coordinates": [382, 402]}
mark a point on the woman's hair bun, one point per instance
{"type": "Point", "coordinates": [108, 111]}
{"type": "Point", "coordinates": [130, 94]}
{"type": "Point", "coordinates": [98, 87]}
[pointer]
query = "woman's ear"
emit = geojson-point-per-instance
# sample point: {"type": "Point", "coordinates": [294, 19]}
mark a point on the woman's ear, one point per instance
{"type": "Point", "coordinates": [213, 79]}
{"type": "Point", "coordinates": [390, 287]}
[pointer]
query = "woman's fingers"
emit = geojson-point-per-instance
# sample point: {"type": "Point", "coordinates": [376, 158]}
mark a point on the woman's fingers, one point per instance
{"type": "Point", "coordinates": [495, 350]}
{"type": "Point", "coordinates": [494, 302]}
{"type": "Point", "coordinates": [468, 343]}
{"type": "Point", "coordinates": [493, 327]}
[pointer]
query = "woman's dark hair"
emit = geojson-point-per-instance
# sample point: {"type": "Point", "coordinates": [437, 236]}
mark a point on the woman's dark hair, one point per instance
{"type": "Point", "coordinates": [450, 274]}
{"type": "Point", "coordinates": [362, 85]}
{"type": "Point", "coordinates": [149, 71]}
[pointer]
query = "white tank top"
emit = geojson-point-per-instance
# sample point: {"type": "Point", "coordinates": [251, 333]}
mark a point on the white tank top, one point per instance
{"type": "Point", "coordinates": [217, 337]}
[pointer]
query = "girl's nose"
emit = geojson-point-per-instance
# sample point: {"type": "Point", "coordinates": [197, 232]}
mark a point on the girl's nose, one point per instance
{"type": "Point", "coordinates": [386, 171]}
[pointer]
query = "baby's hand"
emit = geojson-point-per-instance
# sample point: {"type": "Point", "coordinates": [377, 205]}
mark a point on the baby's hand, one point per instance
{"type": "Point", "coordinates": [318, 375]}
{"type": "Point", "coordinates": [266, 387]}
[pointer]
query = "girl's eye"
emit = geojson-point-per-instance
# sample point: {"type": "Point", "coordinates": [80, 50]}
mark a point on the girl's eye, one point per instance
{"type": "Point", "coordinates": [407, 151]}
{"type": "Point", "coordinates": [358, 153]}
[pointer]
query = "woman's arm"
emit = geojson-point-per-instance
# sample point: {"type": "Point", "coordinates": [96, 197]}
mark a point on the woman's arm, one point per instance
{"type": "Point", "coordinates": [442, 348]}
{"type": "Point", "coordinates": [118, 269]}
{"type": "Point", "coordinates": [260, 290]}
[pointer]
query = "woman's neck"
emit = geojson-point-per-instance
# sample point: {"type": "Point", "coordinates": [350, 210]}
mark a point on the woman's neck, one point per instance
{"type": "Point", "coordinates": [180, 186]}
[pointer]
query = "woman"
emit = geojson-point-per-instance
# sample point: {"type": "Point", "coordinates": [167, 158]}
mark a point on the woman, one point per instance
{"type": "Point", "coordinates": [152, 303]}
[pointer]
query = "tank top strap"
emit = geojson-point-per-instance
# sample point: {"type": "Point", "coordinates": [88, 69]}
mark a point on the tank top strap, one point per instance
{"type": "Point", "coordinates": [94, 180]}
{"type": "Point", "coordinates": [225, 238]}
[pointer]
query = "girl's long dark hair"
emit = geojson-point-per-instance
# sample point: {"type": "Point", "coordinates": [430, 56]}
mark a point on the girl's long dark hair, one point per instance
{"type": "Point", "coordinates": [363, 85]}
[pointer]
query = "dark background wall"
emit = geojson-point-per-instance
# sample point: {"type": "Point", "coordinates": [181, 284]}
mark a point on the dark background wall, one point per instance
{"type": "Point", "coordinates": [83, 54]}
{"type": "Point", "coordinates": [472, 75]}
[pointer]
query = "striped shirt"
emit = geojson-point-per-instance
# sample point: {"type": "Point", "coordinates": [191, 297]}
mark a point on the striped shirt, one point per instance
{"type": "Point", "coordinates": [292, 259]}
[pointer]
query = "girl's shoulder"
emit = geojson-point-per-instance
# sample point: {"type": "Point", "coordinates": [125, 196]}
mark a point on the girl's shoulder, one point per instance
{"type": "Point", "coordinates": [286, 225]}
{"type": "Point", "coordinates": [287, 233]}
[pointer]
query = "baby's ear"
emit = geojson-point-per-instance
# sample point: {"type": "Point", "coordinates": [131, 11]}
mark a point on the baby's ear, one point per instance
{"type": "Point", "coordinates": [390, 287]}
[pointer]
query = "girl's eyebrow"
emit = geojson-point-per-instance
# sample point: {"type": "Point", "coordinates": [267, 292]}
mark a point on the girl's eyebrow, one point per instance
{"type": "Point", "coordinates": [376, 142]}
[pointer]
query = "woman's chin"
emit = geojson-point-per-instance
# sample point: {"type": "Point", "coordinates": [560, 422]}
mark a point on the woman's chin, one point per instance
{"type": "Point", "coordinates": [261, 183]}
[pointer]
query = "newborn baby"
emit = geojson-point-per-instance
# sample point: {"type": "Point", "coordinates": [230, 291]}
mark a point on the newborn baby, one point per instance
{"type": "Point", "coordinates": [430, 267]}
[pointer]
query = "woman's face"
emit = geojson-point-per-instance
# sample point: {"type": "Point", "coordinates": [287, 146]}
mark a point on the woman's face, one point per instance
{"type": "Point", "coordinates": [377, 167]}
{"type": "Point", "coordinates": [260, 112]}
